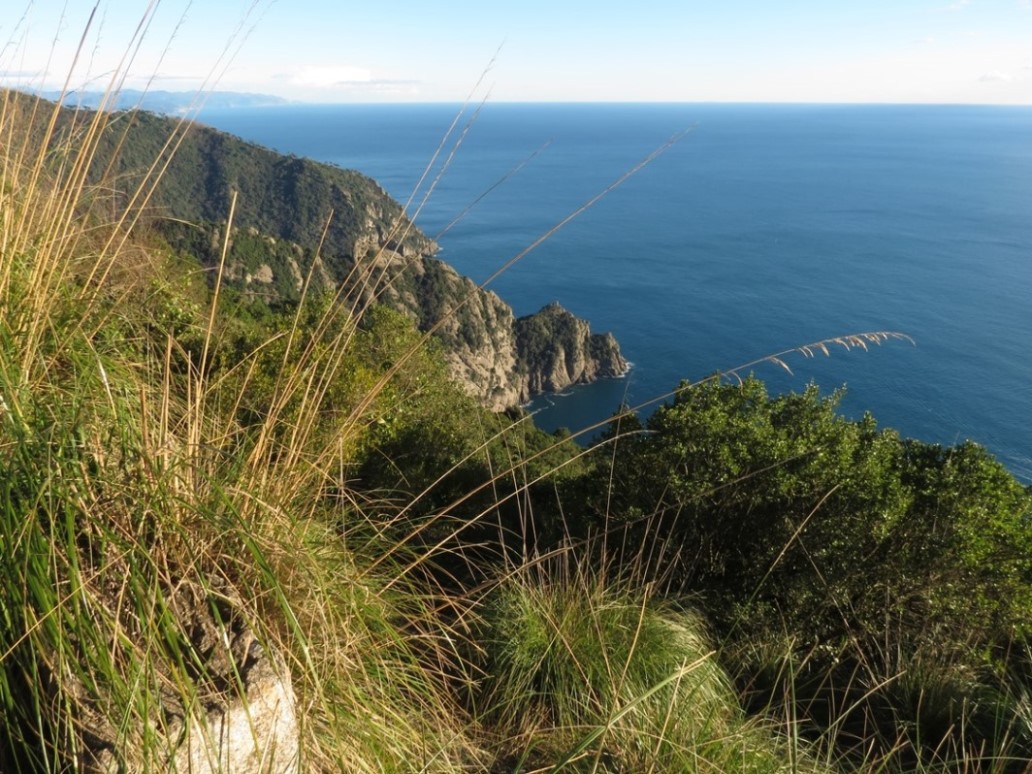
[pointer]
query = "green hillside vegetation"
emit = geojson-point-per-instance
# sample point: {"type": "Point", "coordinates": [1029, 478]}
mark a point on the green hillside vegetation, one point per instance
{"type": "Point", "coordinates": [302, 228]}
{"type": "Point", "coordinates": [739, 582]}
{"type": "Point", "coordinates": [285, 197]}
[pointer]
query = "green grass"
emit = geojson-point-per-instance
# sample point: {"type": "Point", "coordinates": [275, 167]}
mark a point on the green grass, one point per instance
{"type": "Point", "coordinates": [585, 673]}
{"type": "Point", "coordinates": [127, 478]}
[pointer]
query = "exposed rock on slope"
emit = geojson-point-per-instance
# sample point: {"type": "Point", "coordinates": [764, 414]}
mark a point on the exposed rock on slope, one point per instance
{"type": "Point", "coordinates": [245, 716]}
{"type": "Point", "coordinates": [478, 332]}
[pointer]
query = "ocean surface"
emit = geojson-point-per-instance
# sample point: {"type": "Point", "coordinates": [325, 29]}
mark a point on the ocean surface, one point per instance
{"type": "Point", "coordinates": [764, 228]}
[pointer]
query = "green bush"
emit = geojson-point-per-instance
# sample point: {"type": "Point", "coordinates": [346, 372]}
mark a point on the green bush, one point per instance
{"type": "Point", "coordinates": [782, 512]}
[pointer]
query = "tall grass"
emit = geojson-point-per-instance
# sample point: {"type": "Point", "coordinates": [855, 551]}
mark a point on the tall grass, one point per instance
{"type": "Point", "coordinates": [128, 487]}
{"type": "Point", "coordinates": [589, 673]}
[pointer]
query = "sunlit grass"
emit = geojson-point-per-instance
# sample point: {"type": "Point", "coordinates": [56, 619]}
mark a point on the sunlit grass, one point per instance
{"type": "Point", "coordinates": [127, 481]}
{"type": "Point", "coordinates": [585, 673]}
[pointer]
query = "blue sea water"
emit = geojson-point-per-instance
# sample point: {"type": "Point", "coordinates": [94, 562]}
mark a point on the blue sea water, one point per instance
{"type": "Point", "coordinates": [765, 228]}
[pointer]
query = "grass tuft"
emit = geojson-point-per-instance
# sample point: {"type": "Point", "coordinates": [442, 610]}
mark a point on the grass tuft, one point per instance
{"type": "Point", "coordinates": [586, 673]}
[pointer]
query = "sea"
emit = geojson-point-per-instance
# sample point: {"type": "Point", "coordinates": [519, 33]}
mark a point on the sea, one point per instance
{"type": "Point", "coordinates": [752, 231]}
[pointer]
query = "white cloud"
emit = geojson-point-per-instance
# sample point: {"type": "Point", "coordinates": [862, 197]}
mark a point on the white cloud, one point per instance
{"type": "Point", "coordinates": [387, 88]}
{"type": "Point", "coordinates": [996, 76]}
{"type": "Point", "coordinates": [314, 82]}
{"type": "Point", "coordinates": [178, 78]}
{"type": "Point", "coordinates": [327, 76]}
{"type": "Point", "coordinates": [20, 73]}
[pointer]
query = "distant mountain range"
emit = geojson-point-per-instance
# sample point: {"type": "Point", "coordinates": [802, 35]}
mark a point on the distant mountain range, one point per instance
{"type": "Point", "coordinates": [164, 102]}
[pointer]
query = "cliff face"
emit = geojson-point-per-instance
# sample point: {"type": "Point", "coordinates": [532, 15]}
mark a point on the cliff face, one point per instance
{"type": "Point", "coordinates": [299, 221]}
{"type": "Point", "coordinates": [556, 349]}
{"type": "Point", "coordinates": [478, 329]}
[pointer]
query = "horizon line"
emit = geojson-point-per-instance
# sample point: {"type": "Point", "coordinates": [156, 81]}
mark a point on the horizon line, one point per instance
{"type": "Point", "coordinates": [281, 101]}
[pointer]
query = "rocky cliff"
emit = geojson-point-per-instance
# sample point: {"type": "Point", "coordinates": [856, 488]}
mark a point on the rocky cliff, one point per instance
{"type": "Point", "coordinates": [299, 221]}
{"type": "Point", "coordinates": [556, 349]}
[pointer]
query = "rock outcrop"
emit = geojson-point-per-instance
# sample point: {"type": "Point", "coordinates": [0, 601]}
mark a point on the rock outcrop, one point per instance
{"type": "Point", "coordinates": [248, 720]}
{"type": "Point", "coordinates": [556, 349]}
{"type": "Point", "coordinates": [475, 326]}
{"type": "Point", "coordinates": [244, 717]}
{"type": "Point", "coordinates": [501, 360]}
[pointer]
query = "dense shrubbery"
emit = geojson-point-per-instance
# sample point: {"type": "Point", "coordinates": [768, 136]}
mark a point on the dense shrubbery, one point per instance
{"type": "Point", "coordinates": [866, 556]}
{"type": "Point", "coordinates": [833, 528]}
{"type": "Point", "coordinates": [281, 196]}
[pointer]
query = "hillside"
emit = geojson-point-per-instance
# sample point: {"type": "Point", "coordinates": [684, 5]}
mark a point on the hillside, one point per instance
{"type": "Point", "coordinates": [298, 221]}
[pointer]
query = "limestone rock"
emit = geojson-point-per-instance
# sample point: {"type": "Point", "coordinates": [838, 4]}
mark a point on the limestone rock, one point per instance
{"type": "Point", "coordinates": [500, 360]}
{"type": "Point", "coordinates": [244, 716]}
{"type": "Point", "coordinates": [253, 731]}
{"type": "Point", "coordinates": [557, 349]}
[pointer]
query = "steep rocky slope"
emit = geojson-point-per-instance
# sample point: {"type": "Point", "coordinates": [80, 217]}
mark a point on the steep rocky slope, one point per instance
{"type": "Point", "coordinates": [287, 207]}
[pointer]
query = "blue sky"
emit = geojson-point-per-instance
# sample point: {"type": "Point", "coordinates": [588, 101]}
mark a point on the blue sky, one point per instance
{"type": "Point", "coordinates": [971, 51]}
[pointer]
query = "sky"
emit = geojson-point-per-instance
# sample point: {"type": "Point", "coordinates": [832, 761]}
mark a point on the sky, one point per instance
{"type": "Point", "coordinates": [898, 51]}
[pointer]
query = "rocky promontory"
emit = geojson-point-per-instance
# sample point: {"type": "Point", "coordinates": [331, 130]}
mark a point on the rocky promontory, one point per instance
{"type": "Point", "coordinates": [556, 349]}
{"type": "Point", "coordinates": [502, 360]}
{"type": "Point", "coordinates": [303, 226]}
